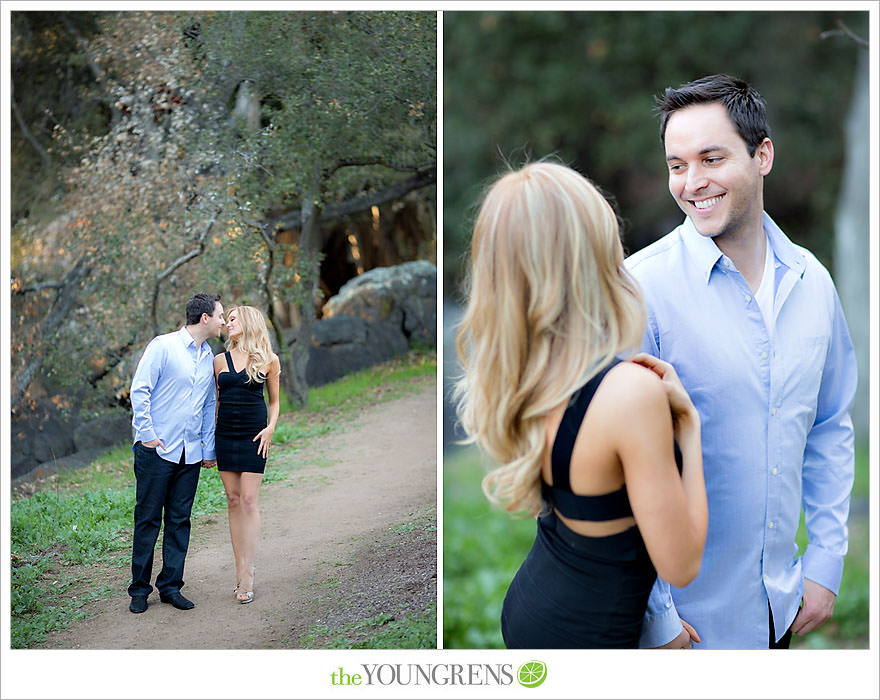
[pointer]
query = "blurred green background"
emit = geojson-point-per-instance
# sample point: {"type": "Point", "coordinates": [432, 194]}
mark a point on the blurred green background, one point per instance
{"type": "Point", "coordinates": [579, 86]}
{"type": "Point", "coordinates": [483, 547]}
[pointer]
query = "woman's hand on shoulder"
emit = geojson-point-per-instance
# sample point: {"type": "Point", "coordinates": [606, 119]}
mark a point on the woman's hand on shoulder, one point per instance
{"type": "Point", "coordinates": [636, 408]}
{"type": "Point", "coordinates": [684, 415]}
{"type": "Point", "coordinates": [634, 390]}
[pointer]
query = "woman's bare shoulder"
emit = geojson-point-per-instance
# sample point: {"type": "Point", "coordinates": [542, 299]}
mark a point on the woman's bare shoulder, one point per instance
{"type": "Point", "coordinates": [274, 364]}
{"type": "Point", "coordinates": [632, 407]}
{"type": "Point", "coordinates": [630, 389]}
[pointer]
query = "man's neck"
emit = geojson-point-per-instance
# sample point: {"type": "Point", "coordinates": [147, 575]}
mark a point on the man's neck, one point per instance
{"type": "Point", "coordinates": [747, 252]}
{"type": "Point", "coordinates": [197, 333]}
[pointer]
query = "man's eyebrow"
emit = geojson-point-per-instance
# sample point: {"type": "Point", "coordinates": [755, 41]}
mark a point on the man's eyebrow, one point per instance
{"type": "Point", "coordinates": [703, 151]}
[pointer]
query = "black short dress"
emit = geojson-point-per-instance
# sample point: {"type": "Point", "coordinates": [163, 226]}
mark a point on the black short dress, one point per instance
{"type": "Point", "coordinates": [240, 417]}
{"type": "Point", "coordinates": [574, 591]}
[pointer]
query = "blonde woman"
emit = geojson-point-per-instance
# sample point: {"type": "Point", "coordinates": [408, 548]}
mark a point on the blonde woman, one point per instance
{"type": "Point", "coordinates": [585, 441]}
{"type": "Point", "coordinates": [244, 431]}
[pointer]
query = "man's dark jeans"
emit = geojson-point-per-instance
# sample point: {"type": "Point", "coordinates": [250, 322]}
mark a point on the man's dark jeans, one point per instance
{"type": "Point", "coordinates": [161, 485]}
{"type": "Point", "coordinates": [784, 642]}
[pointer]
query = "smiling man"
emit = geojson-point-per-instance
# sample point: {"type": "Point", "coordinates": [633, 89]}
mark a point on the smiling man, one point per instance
{"type": "Point", "coordinates": [753, 326]}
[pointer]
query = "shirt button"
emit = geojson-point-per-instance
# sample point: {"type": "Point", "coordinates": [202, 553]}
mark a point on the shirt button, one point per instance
{"type": "Point", "coordinates": [775, 471]}
{"type": "Point", "coordinates": [764, 355]}
{"type": "Point", "coordinates": [770, 525]}
{"type": "Point", "coordinates": [747, 298]}
{"type": "Point", "coordinates": [727, 263]}
{"type": "Point", "coordinates": [773, 411]}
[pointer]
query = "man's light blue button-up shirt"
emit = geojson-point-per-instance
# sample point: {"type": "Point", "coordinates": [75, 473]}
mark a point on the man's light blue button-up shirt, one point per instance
{"type": "Point", "coordinates": [173, 397]}
{"type": "Point", "coordinates": [776, 431]}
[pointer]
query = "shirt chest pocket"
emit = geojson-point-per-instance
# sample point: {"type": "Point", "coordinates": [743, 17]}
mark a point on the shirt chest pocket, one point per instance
{"type": "Point", "coordinates": [203, 382]}
{"type": "Point", "coordinates": [800, 366]}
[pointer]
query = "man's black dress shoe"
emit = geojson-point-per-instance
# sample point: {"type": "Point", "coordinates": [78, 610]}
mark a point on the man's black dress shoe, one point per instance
{"type": "Point", "coordinates": [177, 600]}
{"type": "Point", "coordinates": [138, 603]}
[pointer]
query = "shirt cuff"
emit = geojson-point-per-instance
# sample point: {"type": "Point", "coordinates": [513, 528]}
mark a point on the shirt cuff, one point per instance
{"type": "Point", "coordinates": [823, 567]}
{"type": "Point", "coordinates": [145, 436]}
{"type": "Point", "coordinates": [661, 623]}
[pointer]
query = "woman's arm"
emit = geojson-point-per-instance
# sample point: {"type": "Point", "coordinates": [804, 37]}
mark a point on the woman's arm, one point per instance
{"type": "Point", "coordinates": [272, 385]}
{"type": "Point", "coordinates": [670, 510]}
{"type": "Point", "coordinates": [219, 364]}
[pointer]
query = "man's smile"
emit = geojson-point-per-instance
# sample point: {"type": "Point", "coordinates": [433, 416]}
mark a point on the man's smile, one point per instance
{"type": "Point", "coordinates": [705, 204]}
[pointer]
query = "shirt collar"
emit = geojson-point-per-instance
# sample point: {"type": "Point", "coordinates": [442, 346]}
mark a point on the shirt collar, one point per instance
{"type": "Point", "coordinates": [707, 254]}
{"type": "Point", "coordinates": [186, 338]}
{"type": "Point", "coordinates": [786, 252]}
{"type": "Point", "coordinates": [702, 248]}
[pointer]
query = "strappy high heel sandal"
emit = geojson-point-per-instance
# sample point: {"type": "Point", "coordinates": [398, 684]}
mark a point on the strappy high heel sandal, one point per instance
{"type": "Point", "coordinates": [244, 597]}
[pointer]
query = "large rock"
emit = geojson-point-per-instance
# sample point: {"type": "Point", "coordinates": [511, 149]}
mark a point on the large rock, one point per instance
{"type": "Point", "coordinates": [404, 295]}
{"type": "Point", "coordinates": [375, 316]}
{"type": "Point", "coordinates": [76, 460]}
{"type": "Point", "coordinates": [344, 344]}
{"type": "Point", "coordinates": [45, 440]}
{"type": "Point", "coordinates": [39, 436]}
{"type": "Point", "coordinates": [107, 430]}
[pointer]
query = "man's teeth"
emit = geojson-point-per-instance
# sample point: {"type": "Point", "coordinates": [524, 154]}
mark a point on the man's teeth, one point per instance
{"type": "Point", "coordinates": [706, 203]}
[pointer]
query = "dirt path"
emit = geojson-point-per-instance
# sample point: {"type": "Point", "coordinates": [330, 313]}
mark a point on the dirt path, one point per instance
{"type": "Point", "coordinates": [337, 545]}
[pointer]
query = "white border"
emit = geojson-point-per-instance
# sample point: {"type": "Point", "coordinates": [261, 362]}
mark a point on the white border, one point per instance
{"type": "Point", "coordinates": [440, 352]}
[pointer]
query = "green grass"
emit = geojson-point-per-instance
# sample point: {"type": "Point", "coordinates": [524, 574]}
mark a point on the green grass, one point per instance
{"type": "Point", "coordinates": [861, 485]}
{"type": "Point", "coordinates": [848, 628]}
{"type": "Point", "coordinates": [387, 381]}
{"type": "Point", "coordinates": [483, 547]}
{"type": "Point", "coordinates": [73, 529]}
{"type": "Point", "coordinates": [383, 631]}
{"type": "Point", "coordinates": [82, 518]}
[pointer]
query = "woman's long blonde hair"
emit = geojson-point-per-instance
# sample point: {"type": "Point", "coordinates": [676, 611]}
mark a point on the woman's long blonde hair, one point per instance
{"type": "Point", "coordinates": [254, 340]}
{"type": "Point", "coordinates": [550, 304]}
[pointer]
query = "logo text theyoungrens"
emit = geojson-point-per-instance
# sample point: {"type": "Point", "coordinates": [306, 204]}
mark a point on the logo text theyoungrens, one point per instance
{"type": "Point", "coordinates": [426, 674]}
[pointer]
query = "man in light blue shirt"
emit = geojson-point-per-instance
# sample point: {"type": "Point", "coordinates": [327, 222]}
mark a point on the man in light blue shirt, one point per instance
{"type": "Point", "coordinates": [173, 401]}
{"type": "Point", "coordinates": [753, 326]}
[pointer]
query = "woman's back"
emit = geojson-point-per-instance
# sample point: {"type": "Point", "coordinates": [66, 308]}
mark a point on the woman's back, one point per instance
{"type": "Point", "coordinates": [586, 581]}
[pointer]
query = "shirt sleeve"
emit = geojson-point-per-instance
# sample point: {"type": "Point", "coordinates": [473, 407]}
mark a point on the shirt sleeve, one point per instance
{"type": "Point", "coordinates": [145, 377]}
{"type": "Point", "coordinates": [209, 421]}
{"type": "Point", "coordinates": [661, 623]}
{"type": "Point", "coordinates": [650, 340]}
{"type": "Point", "coordinates": [829, 462]}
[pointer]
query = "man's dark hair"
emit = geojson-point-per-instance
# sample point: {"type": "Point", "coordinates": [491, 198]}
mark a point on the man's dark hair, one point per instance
{"type": "Point", "coordinates": [744, 105]}
{"type": "Point", "coordinates": [198, 305]}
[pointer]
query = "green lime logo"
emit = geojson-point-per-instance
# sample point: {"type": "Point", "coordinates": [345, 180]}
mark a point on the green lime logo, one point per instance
{"type": "Point", "coordinates": [531, 674]}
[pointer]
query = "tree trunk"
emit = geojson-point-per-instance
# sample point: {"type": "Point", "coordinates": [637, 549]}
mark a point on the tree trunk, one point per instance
{"type": "Point", "coordinates": [168, 271]}
{"type": "Point", "coordinates": [31, 139]}
{"type": "Point", "coordinates": [61, 308]}
{"type": "Point", "coordinates": [284, 354]}
{"type": "Point", "coordinates": [309, 248]}
{"type": "Point", "coordinates": [851, 238]}
{"type": "Point", "coordinates": [247, 106]}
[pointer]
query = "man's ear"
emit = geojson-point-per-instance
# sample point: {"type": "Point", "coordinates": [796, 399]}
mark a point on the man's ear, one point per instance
{"type": "Point", "coordinates": [764, 154]}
